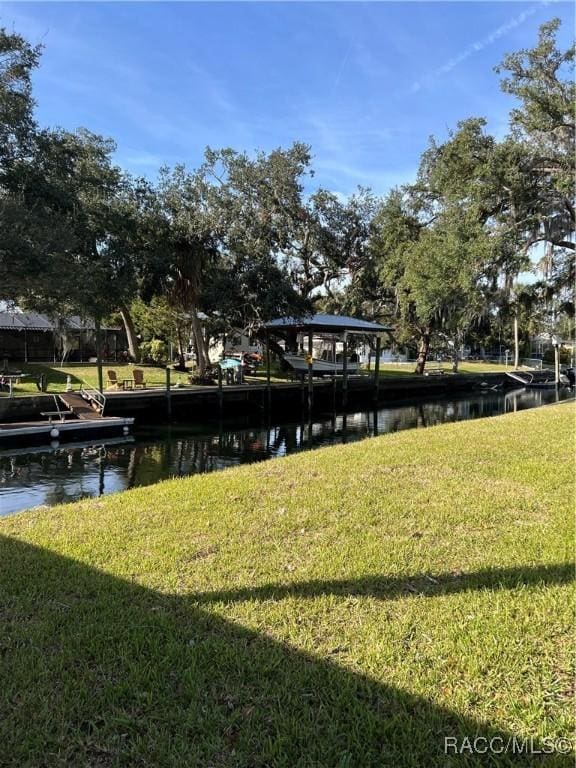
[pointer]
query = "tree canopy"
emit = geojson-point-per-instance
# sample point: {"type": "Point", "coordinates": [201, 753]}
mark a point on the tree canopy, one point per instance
{"type": "Point", "coordinates": [244, 238]}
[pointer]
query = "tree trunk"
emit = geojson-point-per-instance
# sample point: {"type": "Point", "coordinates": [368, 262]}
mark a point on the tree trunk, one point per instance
{"type": "Point", "coordinates": [456, 353]}
{"type": "Point", "coordinates": [201, 357]}
{"type": "Point", "coordinates": [181, 358]}
{"type": "Point", "coordinates": [99, 354]}
{"type": "Point", "coordinates": [291, 342]}
{"type": "Point", "coordinates": [423, 352]}
{"type": "Point", "coordinates": [516, 343]}
{"type": "Point", "coordinates": [133, 350]}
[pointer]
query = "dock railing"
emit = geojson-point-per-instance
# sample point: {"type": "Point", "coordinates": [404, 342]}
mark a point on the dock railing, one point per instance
{"type": "Point", "coordinates": [94, 395]}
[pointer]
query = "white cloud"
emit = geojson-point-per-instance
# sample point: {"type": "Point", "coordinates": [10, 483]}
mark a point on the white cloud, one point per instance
{"type": "Point", "coordinates": [477, 46]}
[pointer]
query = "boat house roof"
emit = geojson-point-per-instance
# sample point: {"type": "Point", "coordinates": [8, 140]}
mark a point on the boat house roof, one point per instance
{"type": "Point", "coordinates": [326, 324]}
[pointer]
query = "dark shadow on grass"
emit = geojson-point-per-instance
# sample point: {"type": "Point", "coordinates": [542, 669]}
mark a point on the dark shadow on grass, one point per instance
{"type": "Point", "coordinates": [389, 588]}
{"type": "Point", "coordinates": [97, 671]}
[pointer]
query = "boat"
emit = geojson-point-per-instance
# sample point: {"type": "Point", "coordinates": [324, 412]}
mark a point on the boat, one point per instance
{"type": "Point", "coordinates": [529, 381]}
{"type": "Point", "coordinates": [321, 367]}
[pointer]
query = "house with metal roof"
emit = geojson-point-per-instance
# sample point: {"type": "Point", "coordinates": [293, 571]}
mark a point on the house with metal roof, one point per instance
{"type": "Point", "coordinates": [33, 337]}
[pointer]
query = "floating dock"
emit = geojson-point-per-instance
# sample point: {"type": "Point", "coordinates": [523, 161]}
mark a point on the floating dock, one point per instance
{"type": "Point", "coordinates": [81, 420]}
{"type": "Point", "coordinates": [48, 432]}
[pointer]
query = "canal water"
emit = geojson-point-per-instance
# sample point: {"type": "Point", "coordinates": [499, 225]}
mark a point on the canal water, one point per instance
{"type": "Point", "coordinates": [47, 476]}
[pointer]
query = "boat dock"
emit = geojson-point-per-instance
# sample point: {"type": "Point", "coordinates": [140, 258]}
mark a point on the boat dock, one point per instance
{"type": "Point", "coordinates": [208, 403]}
{"type": "Point", "coordinates": [80, 419]}
{"type": "Point", "coordinates": [74, 416]}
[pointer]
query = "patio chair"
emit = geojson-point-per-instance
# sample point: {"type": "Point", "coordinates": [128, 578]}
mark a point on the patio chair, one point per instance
{"type": "Point", "coordinates": [112, 380]}
{"type": "Point", "coordinates": [139, 379]}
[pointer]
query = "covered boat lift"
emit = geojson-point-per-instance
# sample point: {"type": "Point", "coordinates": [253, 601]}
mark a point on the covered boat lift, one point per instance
{"type": "Point", "coordinates": [336, 327]}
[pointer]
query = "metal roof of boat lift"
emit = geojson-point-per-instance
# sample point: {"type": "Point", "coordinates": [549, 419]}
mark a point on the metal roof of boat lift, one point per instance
{"type": "Point", "coordinates": [32, 321]}
{"type": "Point", "coordinates": [326, 323]}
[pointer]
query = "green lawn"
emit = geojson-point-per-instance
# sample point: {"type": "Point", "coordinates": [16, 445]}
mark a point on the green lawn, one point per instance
{"type": "Point", "coordinates": [348, 608]}
{"type": "Point", "coordinates": [56, 376]}
{"type": "Point", "coordinates": [471, 366]}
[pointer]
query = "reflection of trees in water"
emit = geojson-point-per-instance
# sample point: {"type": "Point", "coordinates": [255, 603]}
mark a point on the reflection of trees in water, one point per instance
{"type": "Point", "coordinates": [76, 472]}
{"type": "Point", "coordinates": [205, 453]}
{"type": "Point", "coordinates": [71, 473]}
{"type": "Point", "coordinates": [185, 455]}
{"type": "Point", "coordinates": [55, 477]}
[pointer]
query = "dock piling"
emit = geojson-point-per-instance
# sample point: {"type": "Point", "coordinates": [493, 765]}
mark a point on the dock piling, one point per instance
{"type": "Point", "coordinates": [377, 369]}
{"type": "Point", "coordinates": [268, 377]}
{"type": "Point", "coordinates": [168, 396]}
{"type": "Point", "coordinates": [310, 379]}
{"type": "Point", "coordinates": [345, 371]}
{"type": "Point", "coordinates": [220, 393]}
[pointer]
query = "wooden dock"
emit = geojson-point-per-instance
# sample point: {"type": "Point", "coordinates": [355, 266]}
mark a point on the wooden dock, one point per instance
{"type": "Point", "coordinates": [81, 408]}
{"type": "Point", "coordinates": [80, 421]}
{"type": "Point", "coordinates": [213, 403]}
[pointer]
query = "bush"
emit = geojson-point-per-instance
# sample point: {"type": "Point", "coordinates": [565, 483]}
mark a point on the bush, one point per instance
{"type": "Point", "coordinates": [209, 377]}
{"type": "Point", "coordinates": [155, 351]}
{"type": "Point", "coordinates": [565, 357]}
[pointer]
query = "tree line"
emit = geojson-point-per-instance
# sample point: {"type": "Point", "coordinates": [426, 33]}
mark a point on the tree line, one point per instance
{"type": "Point", "coordinates": [241, 239]}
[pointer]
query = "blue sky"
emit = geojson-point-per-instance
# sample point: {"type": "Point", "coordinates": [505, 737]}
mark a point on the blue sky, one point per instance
{"type": "Point", "coordinates": [365, 84]}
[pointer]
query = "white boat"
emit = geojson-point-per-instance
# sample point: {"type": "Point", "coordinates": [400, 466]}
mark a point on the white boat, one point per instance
{"type": "Point", "coordinates": [321, 367]}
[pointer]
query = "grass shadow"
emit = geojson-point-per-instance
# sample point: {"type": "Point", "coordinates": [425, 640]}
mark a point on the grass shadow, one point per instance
{"type": "Point", "coordinates": [98, 671]}
{"type": "Point", "coordinates": [390, 588]}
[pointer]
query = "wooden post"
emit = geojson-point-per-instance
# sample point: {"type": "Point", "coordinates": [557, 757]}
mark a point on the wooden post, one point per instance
{"type": "Point", "coordinates": [268, 377]}
{"type": "Point", "coordinates": [345, 371]}
{"type": "Point", "coordinates": [25, 346]}
{"type": "Point", "coordinates": [333, 390]}
{"type": "Point", "coordinates": [377, 370]}
{"type": "Point", "coordinates": [168, 395]}
{"type": "Point", "coordinates": [310, 380]}
{"type": "Point", "coordinates": [99, 355]}
{"type": "Point", "coordinates": [516, 344]}
{"type": "Point", "coordinates": [556, 364]}
{"type": "Point", "coordinates": [334, 374]}
{"type": "Point", "coordinates": [220, 392]}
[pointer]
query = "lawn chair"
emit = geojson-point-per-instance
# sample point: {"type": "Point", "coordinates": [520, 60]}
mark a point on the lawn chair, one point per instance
{"type": "Point", "coordinates": [139, 379]}
{"type": "Point", "coordinates": [112, 380]}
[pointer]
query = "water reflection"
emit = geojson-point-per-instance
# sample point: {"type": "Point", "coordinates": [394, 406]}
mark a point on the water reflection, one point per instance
{"type": "Point", "coordinates": [49, 477]}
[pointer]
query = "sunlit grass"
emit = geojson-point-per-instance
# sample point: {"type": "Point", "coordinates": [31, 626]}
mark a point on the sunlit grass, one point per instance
{"type": "Point", "coordinates": [347, 607]}
{"type": "Point", "coordinates": [56, 376]}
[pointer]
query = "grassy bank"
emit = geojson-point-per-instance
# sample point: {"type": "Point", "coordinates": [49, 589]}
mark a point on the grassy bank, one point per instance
{"type": "Point", "coordinates": [56, 376]}
{"type": "Point", "coordinates": [346, 608]}
{"type": "Point", "coordinates": [465, 367]}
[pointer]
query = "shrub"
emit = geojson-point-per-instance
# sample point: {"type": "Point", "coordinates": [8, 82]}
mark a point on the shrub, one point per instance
{"type": "Point", "coordinates": [155, 351]}
{"type": "Point", "coordinates": [565, 356]}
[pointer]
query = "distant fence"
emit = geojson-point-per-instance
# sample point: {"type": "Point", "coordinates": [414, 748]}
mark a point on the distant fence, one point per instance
{"type": "Point", "coordinates": [534, 362]}
{"type": "Point", "coordinates": [527, 362]}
